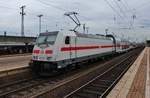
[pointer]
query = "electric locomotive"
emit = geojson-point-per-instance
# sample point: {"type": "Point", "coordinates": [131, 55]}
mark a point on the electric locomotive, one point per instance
{"type": "Point", "coordinates": [61, 49]}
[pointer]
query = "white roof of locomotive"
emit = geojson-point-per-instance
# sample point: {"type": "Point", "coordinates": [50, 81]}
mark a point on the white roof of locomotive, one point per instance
{"type": "Point", "coordinates": [68, 33]}
{"type": "Point", "coordinates": [72, 33]}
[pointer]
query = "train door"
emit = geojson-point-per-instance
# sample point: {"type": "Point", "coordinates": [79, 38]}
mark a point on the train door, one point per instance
{"type": "Point", "coordinates": [71, 42]}
{"type": "Point", "coordinates": [73, 47]}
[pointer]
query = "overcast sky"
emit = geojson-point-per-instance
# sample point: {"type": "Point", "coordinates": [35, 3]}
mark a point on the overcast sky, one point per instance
{"type": "Point", "coordinates": [126, 18]}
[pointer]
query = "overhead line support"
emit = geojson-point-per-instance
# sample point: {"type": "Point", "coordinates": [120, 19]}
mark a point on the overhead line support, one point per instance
{"type": "Point", "coordinates": [22, 19]}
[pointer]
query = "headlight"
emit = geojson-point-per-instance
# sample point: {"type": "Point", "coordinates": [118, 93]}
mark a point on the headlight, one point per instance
{"type": "Point", "coordinates": [59, 66]}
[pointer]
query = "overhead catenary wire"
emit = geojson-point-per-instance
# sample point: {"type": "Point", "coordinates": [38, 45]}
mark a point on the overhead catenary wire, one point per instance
{"type": "Point", "coordinates": [130, 18]}
{"type": "Point", "coordinates": [116, 11]}
{"type": "Point", "coordinates": [47, 3]}
{"type": "Point", "coordinates": [59, 8]}
{"type": "Point", "coordinates": [129, 9]}
{"type": "Point", "coordinates": [51, 5]}
{"type": "Point", "coordinates": [124, 5]}
{"type": "Point", "coordinates": [28, 13]}
{"type": "Point", "coordinates": [121, 10]}
{"type": "Point", "coordinates": [122, 13]}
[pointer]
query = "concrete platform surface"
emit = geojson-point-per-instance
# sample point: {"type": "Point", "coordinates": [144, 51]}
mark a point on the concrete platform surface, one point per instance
{"type": "Point", "coordinates": [135, 83]}
{"type": "Point", "coordinates": [8, 63]}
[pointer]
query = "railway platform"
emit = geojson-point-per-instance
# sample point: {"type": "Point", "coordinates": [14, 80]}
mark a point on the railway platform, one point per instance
{"type": "Point", "coordinates": [136, 81]}
{"type": "Point", "coordinates": [14, 62]}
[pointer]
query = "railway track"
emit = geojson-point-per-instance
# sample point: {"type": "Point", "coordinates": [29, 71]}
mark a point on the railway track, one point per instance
{"type": "Point", "coordinates": [100, 86]}
{"type": "Point", "coordinates": [14, 76]}
{"type": "Point", "coordinates": [58, 86]}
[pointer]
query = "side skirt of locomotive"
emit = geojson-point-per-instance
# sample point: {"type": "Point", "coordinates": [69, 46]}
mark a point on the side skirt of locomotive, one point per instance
{"type": "Point", "coordinates": [44, 68]}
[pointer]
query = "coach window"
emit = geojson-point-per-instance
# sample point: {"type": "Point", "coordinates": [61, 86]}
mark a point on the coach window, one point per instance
{"type": "Point", "coordinates": [67, 40]}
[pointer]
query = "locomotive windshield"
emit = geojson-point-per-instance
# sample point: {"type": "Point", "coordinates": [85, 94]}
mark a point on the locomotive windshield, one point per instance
{"type": "Point", "coordinates": [46, 38]}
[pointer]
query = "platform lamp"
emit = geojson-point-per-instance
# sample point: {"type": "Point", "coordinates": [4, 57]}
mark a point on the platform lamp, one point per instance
{"type": "Point", "coordinates": [39, 22]}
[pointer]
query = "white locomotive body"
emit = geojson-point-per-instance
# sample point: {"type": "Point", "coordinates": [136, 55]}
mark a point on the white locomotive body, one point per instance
{"type": "Point", "coordinates": [57, 50]}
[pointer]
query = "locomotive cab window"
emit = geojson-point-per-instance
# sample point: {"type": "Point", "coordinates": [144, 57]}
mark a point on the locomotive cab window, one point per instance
{"type": "Point", "coordinates": [47, 38]}
{"type": "Point", "coordinates": [67, 40]}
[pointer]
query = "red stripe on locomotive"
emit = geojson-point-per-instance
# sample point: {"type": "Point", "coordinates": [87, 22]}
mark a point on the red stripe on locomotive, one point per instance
{"type": "Point", "coordinates": [83, 48]}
